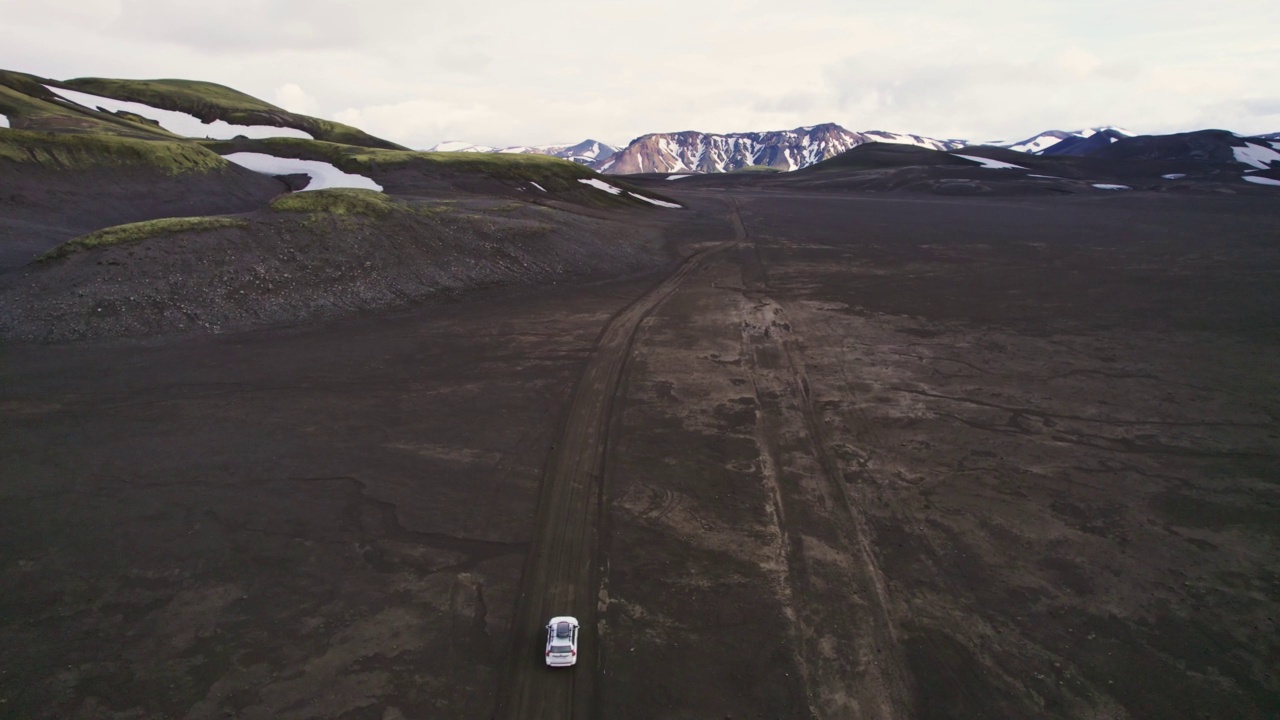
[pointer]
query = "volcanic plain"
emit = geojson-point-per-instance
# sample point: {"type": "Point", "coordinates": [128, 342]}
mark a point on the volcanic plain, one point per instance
{"type": "Point", "coordinates": [846, 454]}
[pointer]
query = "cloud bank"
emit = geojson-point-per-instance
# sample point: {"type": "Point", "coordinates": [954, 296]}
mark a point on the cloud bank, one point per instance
{"type": "Point", "coordinates": [503, 73]}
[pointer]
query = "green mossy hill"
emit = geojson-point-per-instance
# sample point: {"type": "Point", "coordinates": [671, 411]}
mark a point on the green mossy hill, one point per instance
{"type": "Point", "coordinates": [758, 169]}
{"type": "Point", "coordinates": [159, 93]}
{"type": "Point", "coordinates": [211, 101]}
{"type": "Point", "coordinates": [24, 83]}
{"type": "Point", "coordinates": [137, 232]}
{"type": "Point", "coordinates": [552, 173]}
{"type": "Point", "coordinates": [81, 152]}
{"type": "Point", "coordinates": [30, 107]}
{"type": "Point", "coordinates": [350, 201]}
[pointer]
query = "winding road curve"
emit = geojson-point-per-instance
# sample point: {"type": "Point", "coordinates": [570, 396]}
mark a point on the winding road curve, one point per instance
{"type": "Point", "coordinates": [561, 572]}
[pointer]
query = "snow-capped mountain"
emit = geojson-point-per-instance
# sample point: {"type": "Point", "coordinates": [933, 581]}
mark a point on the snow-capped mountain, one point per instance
{"type": "Point", "coordinates": [693, 151]}
{"type": "Point", "coordinates": [584, 153]}
{"type": "Point", "coordinates": [1050, 142]}
{"type": "Point", "coordinates": [457, 146]}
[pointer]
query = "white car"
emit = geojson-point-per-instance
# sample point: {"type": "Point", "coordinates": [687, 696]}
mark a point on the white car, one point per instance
{"type": "Point", "coordinates": [562, 641]}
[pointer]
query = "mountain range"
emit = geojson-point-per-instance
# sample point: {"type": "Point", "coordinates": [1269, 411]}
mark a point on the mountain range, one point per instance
{"type": "Point", "coordinates": [700, 152]}
{"type": "Point", "coordinates": [786, 150]}
{"type": "Point", "coordinates": [587, 152]}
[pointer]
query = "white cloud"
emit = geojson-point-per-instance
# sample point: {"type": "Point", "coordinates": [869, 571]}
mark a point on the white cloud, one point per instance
{"type": "Point", "coordinates": [423, 118]}
{"type": "Point", "coordinates": [293, 98]}
{"type": "Point", "coordinates": [501, 72]}
{"type": "Point", "coordinates": [1080, 63]}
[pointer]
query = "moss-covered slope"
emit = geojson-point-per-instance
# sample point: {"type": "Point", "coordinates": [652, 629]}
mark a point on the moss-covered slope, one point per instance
{"type": "Point", "coordinates": [211, 101]}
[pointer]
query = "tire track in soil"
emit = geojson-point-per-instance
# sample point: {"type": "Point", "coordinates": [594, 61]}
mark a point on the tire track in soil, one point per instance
{"type": "Point", "coordinates": [561, 571]}
{"type": "Point", "coordinates": [849, 652]}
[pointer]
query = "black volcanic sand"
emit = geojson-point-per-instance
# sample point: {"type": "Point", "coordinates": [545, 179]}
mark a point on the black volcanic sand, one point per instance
{"type": "Point", "coordinates": [295, 523]}
{"type": "Point", "coordinates": [280, 267]}
{"type": "Point", "coordinates": [42, 207]}
{"type": "Point", "coordinates": [891, 456]}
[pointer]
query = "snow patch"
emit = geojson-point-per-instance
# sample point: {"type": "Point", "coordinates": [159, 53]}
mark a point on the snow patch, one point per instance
{"type": "Point", "coordinates": [1262, 180]}
{"type": "Point", "coordinates": [323, 174]}
{"type": "Point", "coordinates": [1105, 186]}
{"type": "Point", "coordinates": [1032, 147]}
{"type": "Point", "coordinates": [178, 123]}
{"type": "Point", "coordinates": [989, 163]}
{"type": "Point", "coordinates": [4, 120]}
{"type": "Point", "coordinates": [1046, 177]}
{"type": "Point", "coordinates": [677, 177]}
{"type": "Point", "coordinates": [659, 203]}
{"type": "Point", "coordinates": [1256, 155]}
{"type": "Point", "coordinates": [1174, 176]}
{"type": "Point", "coordinates": [601, 185]}
{"type": "Point", "coordinates": [456, 146]}
{"type": "Point", "coordinates": [537, 186]}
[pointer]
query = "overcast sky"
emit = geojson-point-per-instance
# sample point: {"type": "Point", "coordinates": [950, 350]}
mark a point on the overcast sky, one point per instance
{"type": "Point", "coordinates": [508, 72]}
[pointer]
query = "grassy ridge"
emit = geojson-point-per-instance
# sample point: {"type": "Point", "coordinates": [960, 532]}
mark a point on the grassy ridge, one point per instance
{"type": "Point", "coordinates": [33, 112]}
{"type": "Point", "coordinates": [66, 151]}
{"type": "Point", "coordinates": [139, 231]}
{"type": "Point", "coordinates": [211, 101]}
{"type": "Point", "coordinates": [351, 201]}
{"type": "Point", "coordinates": [550, 172]}
{"type": "Point", "coordinates": [159, 93]}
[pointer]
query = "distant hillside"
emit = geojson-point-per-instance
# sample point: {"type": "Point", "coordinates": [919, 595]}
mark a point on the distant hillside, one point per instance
{"type": "Point", "coordinates": [1058, 142]}
{"type": "Point", "coordinates": [586, 152]}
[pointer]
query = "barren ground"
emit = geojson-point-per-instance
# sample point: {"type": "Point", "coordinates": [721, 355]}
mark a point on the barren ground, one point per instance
{"type": "Point", "coordinates": [888, 456]}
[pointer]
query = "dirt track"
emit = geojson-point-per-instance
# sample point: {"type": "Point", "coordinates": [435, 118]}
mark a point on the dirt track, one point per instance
{"type": "Point", "coordinates": [885, 457]}
{"type": "Point", "coordinates": [561, 575]}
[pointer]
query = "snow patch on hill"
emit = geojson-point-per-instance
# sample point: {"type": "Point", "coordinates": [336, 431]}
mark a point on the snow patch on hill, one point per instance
{"type": "Point", "coordinates": [4, 120]}
{"type": "Point", "coordinates": [601, 185]}
{"type": "Point", "coordinates": [323, 175]}
{"type": "Point", "coordinates": [178, 123]}
{"type": "Point", "coordinates": [653, 201]}
{"type": "Point", "coordinates": [1261, 180]}
{"type": "Point", "coordinates": [1256, 155]}
{"type": "Point", "coordinates": [989, 163]}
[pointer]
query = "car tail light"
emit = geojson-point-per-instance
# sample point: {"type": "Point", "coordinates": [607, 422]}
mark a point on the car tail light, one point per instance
{"type": "Point", "coordinates": [548, 653]}
{"type": "Point", "coordinates": [574, 652]}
